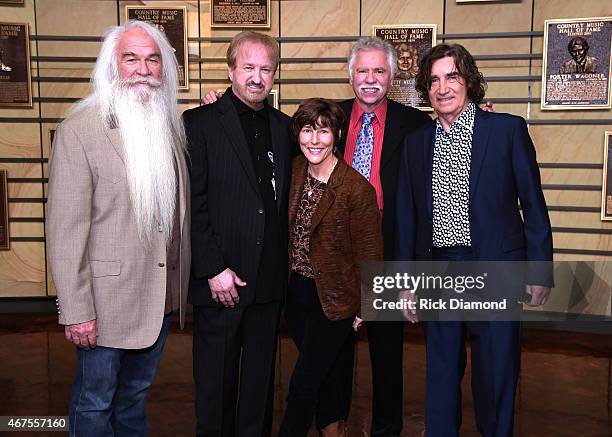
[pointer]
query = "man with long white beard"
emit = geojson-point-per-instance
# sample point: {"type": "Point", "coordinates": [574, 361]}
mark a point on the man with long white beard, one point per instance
{"type": "Point", "coordinates": [118, 228]}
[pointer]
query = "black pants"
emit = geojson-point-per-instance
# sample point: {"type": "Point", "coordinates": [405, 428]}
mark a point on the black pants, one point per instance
{"type": "Point", "coordinates": [386, 344]}
{"type": "Point", "coordinates": [232, 345]}
{"type": "Point", "coordinates": [325, 363]}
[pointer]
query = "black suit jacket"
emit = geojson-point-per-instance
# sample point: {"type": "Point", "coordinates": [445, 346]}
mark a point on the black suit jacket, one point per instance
{"type": "Point", "coordinates": [227, 211]}
{"type": "Point", "coordinates": [400, 121]}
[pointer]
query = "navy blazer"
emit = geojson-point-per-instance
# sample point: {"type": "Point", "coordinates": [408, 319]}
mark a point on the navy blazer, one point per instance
{"type": "Point", "coordinates": [503, 172]}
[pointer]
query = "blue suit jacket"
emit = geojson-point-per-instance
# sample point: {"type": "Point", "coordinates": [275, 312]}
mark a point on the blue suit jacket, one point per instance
{"type": "Point", "coordinates": [503, 171]}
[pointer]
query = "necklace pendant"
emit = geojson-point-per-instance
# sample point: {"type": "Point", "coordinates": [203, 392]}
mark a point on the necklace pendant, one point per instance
{"type": "Point", "coordinates": [309, 193]}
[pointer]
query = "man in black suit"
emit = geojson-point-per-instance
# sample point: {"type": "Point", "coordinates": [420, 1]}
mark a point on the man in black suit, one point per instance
{"type": "Point", "coordinates": [240, 150]}
{"type": "Point", "coordinates": [372, 65]}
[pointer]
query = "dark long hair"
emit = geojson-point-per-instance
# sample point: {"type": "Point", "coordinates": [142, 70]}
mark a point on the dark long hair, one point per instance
{"type": "Point", "coordinates": [466, 67]}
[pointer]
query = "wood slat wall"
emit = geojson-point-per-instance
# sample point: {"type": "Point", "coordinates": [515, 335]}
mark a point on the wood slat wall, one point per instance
{"type": "Point", "coordinates": [61, 68]}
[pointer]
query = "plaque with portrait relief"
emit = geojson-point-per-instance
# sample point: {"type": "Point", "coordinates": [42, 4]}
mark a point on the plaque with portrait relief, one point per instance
{"type": "Point", "coordinates": [240, 13]}
{"type": "Point", "coordinates": [172, 21]}
{"type": "Point", "coordinates": [4, 212]}
{"type": "Point", "coordinates": [15, 78]}
{"type": "Point", "coordinates": [411, 41]}
{"type": "Point", "coordinates": [576, 67]}
{"type": "Point", "coordinates": [606, 186]}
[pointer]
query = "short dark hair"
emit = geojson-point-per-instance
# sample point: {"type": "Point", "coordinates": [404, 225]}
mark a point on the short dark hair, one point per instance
{"type": "Point", "coordinates": [578, 40]}
{"type": "Point", "coordinates": [321, 113]}
{"type": "Point", "coordinates": [466, 67]}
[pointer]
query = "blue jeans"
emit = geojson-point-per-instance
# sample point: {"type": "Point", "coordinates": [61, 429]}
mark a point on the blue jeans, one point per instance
{"type": "Point", "coordinates": [110, 389]}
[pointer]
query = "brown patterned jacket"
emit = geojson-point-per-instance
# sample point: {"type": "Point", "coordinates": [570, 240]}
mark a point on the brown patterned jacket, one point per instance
{"type": "Point", "coordinates": [345, 231]}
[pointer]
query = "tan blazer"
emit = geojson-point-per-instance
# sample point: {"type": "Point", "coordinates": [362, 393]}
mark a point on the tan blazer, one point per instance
{"type": "Point", "coordinates": [100, 267]}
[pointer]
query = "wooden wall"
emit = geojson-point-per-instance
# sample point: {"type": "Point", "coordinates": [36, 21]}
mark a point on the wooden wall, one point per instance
{"type": "Point", "coordinates": [571, 155]}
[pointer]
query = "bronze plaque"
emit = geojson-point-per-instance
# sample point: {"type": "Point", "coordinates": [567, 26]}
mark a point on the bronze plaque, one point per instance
{"type": "Point", "coordinates": [4, 212]}
{"type": "Point", "coordinates": [172, 21]}
{"type": "Point", "coordinates": [240, 13]}
{"type": "Point", "coordinates": [606, 186]}
{"type": "Point", "coordinates": [15, 79]}
{"type": "Point", "coordinates": [411, 41]}
{"type": "Point", "coordinates": [576, 68]}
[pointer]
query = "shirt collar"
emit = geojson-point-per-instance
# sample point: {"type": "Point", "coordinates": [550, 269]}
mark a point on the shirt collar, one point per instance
{"type": "Point", "coordinates": [242, 107]}
{"type": "Point", "coordinates": [465, 120]}
{"type": "Point", "coordinates": [380, 111]}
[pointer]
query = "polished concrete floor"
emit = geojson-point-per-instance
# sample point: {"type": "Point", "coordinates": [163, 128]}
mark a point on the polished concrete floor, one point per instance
{"type": "Point", "coordinates": [564, 389]}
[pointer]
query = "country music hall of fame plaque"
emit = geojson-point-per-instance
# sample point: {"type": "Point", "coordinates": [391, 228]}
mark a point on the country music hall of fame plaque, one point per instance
{"type": "Point", "coordinates": [411, 41]}
{"type": "Point", "coordinates": [173, 22]}
{"type": "Point", "coordinates": [606, 186]}
{"type": "Point", "coordinates": [15, 79]}
{"type": "Point", "coordinates": [240, 13]}
{"type": "Point", "coordinates": [576, 68]}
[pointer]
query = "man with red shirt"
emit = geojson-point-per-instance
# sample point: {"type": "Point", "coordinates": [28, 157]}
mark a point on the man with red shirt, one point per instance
{"type": "Point", "coordinates": [372, 64]}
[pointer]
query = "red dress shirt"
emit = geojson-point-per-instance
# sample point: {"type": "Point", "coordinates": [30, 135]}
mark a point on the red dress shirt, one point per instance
{"type": "Point", "coordinates": [378, 126]}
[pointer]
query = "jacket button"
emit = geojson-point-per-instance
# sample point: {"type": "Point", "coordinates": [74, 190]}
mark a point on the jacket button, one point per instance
{"type": "Point", "coordinates": [161, 264]}
{"type": "Point", "coordinates": [260, 211]}
{"type": "Point", "coordinates": [259, 242]}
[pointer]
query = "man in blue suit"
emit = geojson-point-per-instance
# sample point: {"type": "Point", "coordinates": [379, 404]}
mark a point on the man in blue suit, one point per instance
{"type": "Point", "coordinates": [460, 181]}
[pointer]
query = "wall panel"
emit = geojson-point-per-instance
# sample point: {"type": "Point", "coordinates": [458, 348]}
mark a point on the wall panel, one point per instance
{"type": "Point", "coordinates": [25, 146]}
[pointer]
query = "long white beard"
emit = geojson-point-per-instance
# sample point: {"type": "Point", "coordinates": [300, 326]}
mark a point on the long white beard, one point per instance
{"type": "Point", "coordinates": [149, 152]}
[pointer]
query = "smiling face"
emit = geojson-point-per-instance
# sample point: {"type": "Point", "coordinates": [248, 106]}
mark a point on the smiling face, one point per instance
{"type": "Point", "coordinates": [139, 61]}
{"type": "Point", "coordinates": [317, 144]}
{"type": "Point", "coordinates": [447, 92]}
{"type": "Point", "coordinates": [578, 52]}
{"type": "Point", "coordinates": [370, 78]}
{"type": "Point", "coordinates": [253, 75]}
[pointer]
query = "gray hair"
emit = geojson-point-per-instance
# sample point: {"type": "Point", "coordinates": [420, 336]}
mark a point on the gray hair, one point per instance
{"type": "Point", "coordinates": [367, 43]}
{"type": "Point", "coordinates": [106, 73]}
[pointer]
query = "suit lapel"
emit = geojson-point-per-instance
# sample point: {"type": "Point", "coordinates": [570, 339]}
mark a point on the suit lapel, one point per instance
{"type": "Point", "coordinates": [480, 141]}
{"type": "Point", "coordinates": [394, 126]}
{"type": "Point", "coordinates": [114, 136]}
{"type": "Point", "coordinates": [279, 149]}
{"type": "Point", "coordinates": [327, 200]}
{"type": "Point", "coordinates": [231, 125]}
{"type": "Point", "coordinates": [429, 136]}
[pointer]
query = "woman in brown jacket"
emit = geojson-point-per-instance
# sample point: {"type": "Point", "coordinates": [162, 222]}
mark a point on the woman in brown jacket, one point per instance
{"type": "Point", "coordinates": [334, 225]}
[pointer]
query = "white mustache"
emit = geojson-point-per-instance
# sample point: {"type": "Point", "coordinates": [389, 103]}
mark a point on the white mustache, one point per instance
{"type": "Point", "coordinates": [377, 86]}
{"type": "Point", "coordinates": [149, 80]}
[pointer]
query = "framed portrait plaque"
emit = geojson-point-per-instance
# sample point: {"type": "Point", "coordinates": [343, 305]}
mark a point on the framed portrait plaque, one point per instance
{"type": "Point", "coordinates": [240, 13]}
{"type": "Point", "coordinates": [4, 212]}
{"type": "Point", "coordinates": [576, 67]}
{"type": "Point", "coordinates": [411, 41]}
{"type": "Point", "coordinates": [15, 78]}
{"type": "Point", "coordinates": [606, 186]}
{"type": "Point", "coordinates": [172, 21]}
{"type": "Point", "coordinates": [273, 99]}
